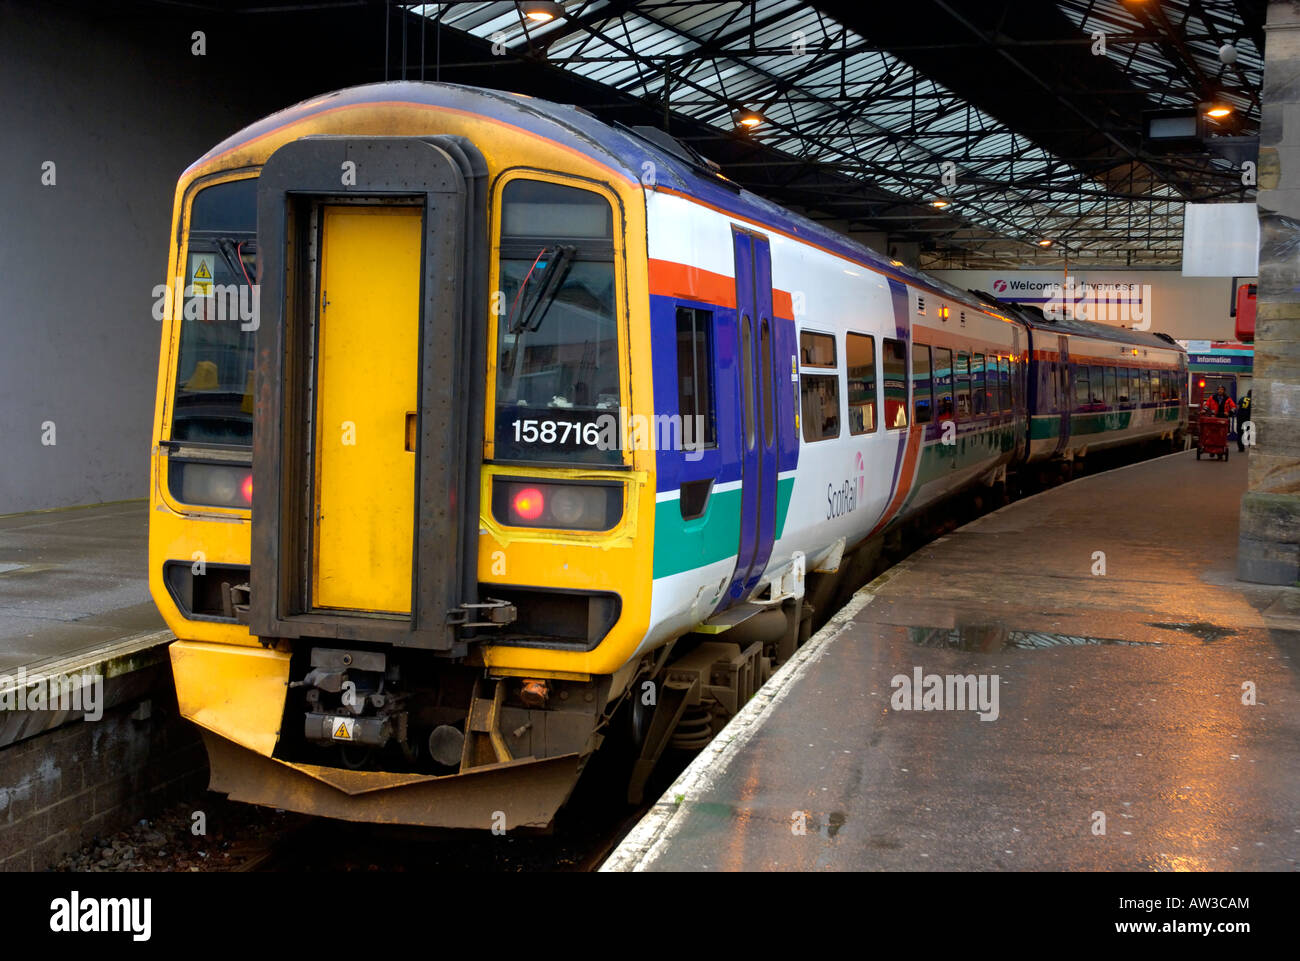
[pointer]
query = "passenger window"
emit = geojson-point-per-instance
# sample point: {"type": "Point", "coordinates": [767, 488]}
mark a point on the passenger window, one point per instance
{"type": "Point", "coordinates": [922, 393]}
{"type": "Point", "coordinates": [1110, 386]}
{"type": "Point", "coordinates": [819, 394]}
{"type": "Point", "coordinates": [963, 386]}
{"type": "Point", "coordinates": [894, 358]}
{"type": "Point", "coordinates": [1082, 386]}
{"type": "Point", "coordinates": [1004, 383]}
{"type": "Point", "coordinates": [943, 382]}
{"type": "Point", "coordinates": [816, 350]}
{"type": "Point", "coordinates": [1097, 383]}
{"type": "Point", "coordinates": [695, 392]}
{"type": "Point", "coordinates": [861, 351]}
{"type": "Point", "coordinates": [979, 397]}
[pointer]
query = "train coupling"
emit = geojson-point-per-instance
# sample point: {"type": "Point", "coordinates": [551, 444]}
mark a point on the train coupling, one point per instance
{"type": "Point", "coordinates": [347, 702]}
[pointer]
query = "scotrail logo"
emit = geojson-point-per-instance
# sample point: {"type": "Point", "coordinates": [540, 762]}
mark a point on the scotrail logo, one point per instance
{"type": "Point", "coordinates": [846, 498]}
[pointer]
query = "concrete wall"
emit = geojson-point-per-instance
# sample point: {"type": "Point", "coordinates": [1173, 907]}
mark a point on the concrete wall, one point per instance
{"type": "Point", "coordinates": [115, 96]}
{"type": "Point", "coordinates": [1186, 308]}
{"type": "Point", "coordinates": [87, 779]}
{"type": "Point", "coordinates": [120, 108]}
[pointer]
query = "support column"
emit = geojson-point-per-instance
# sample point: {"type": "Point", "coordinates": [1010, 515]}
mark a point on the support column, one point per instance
{"type": "Point", "coordinates": [1269, 538]}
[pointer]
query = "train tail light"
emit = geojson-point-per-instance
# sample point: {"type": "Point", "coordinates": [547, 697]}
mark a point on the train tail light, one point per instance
{"type": "Point", "coordinates": [578, 505]}
{"type": "Point", "coordinates": [527, 504]}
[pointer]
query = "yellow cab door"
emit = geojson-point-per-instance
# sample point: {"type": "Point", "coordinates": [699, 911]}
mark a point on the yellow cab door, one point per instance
{"type": "Point", "coordinates": [366, 394]}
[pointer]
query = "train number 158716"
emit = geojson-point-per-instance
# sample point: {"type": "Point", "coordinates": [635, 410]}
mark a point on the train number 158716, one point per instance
{"type": "Point", "coordinates": [556, 432]}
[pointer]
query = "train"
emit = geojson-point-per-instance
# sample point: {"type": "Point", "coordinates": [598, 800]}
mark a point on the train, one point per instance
{"type": "Point", "coordinates": [488, 433]}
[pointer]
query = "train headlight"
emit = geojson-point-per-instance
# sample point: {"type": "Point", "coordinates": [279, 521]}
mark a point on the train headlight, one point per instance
{"type": "Point", "coordinates": [211, 485]}
{"type": "Point", "coordinates": [571, 505]}
{"type": "Point", "coordinates": [581, 505]}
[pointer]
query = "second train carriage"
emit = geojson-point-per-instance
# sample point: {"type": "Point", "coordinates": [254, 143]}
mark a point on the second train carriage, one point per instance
{"type": "Point", "coordinates": [533, 416]}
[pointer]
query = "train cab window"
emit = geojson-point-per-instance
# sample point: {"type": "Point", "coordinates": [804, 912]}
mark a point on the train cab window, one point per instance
{"type": "Point", "coordinates": [962, 376]}
{"type": "Point", "coordinates": [1004, 383]}
{"type": "Point", "coordinates": [978, 396]}
{"type": "Point", "coordinates": [557, 341]}
{"type": "Point", "coordinates": [695, 390]}
{"type": "Point", "coordinates": [213, 400]}
{"type": "Point", "coordinates": [943, 384]}
{"type": "Point", "coordinates": [860, 349]}
{"type": "Point", "coordinates": [819, 394]}
{"type": "Point", "coordinates": [893, 356]}
{"type": "Point", "coordinates": [922, 392]}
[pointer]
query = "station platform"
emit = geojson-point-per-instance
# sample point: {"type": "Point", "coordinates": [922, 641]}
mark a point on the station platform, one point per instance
{"type": "Point", "coordinates": [1121, 741]}
{"type": "Point", "coordinates": [74, 599]}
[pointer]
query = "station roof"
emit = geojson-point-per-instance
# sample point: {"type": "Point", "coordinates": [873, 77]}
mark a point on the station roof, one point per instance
{"type": "Point", "coordinates": [864, 107]}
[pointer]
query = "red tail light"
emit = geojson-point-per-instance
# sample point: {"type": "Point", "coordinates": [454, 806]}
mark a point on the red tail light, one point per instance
{"type": "Point", "coordinates": [529, 503]}
{"type": "Point", "coordinates": [246, 488]}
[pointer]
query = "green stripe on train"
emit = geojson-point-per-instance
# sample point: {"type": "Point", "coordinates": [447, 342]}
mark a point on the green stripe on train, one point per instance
{"type": "Point", "coordinates": [1047, 426]}
{"type": "Point", "coordinates": [685, 545]}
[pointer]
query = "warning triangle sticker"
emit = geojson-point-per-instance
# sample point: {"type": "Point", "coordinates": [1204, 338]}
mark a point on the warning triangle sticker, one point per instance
{"type": "Point", "coordinates": [203, 273]}
{"type": "Point", "coordinates": [342, 731]}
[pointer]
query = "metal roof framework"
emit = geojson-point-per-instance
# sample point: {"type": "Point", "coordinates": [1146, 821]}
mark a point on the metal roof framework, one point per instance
{"type": "Point", "coordinates": [854, 133]}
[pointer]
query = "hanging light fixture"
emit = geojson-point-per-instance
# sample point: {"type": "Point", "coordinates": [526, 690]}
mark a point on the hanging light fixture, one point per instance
{"type": "Point", "coordinates": [541, 11]}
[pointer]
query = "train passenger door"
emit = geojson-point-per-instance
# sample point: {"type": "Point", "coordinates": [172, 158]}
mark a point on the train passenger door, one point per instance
{"type": "Point", "coordinates": [1064, 392]}
{"type": "Point", "coordinates": [758, 413]}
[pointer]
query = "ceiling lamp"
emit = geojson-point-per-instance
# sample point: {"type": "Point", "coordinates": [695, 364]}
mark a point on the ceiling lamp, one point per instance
{"type": "Point", "coordinates": [939, 203]}
{"type": "Point", "coordinates": [541, 11]}
{"type": "Point", "coordinates": [1218, 110]}
{"type": "Point", "coordinates": [1044, 242]}
{"type": "Point", "coordinates": [748, 118]}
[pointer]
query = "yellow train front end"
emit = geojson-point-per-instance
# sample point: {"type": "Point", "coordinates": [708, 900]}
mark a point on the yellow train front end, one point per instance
{"type": "Point", "coordinates": [395, 527]}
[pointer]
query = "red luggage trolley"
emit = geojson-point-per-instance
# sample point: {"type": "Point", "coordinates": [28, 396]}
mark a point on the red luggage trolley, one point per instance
{"type": "Point", "coordinates": [1213, 437]}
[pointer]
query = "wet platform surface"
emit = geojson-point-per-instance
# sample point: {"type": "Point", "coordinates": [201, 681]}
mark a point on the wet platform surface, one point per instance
{"type": "Point", "coordinates": [1119, 705]}
{"type": "Point", "coordinates": [73, 582]}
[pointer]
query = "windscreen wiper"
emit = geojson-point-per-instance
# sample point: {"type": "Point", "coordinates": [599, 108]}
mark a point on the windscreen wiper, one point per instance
{"type": "Point", "coordinates": [527, 311]}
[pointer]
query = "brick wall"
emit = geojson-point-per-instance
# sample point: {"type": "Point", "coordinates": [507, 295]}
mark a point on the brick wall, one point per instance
{"type": "Point", "coordinates": [64, 787]}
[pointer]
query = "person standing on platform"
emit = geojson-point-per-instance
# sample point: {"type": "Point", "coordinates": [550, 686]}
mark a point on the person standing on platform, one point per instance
{"type": "Point", "coordinates": [1219, 404]}
{"type": "Point", "coordinates": [1243, 418]}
